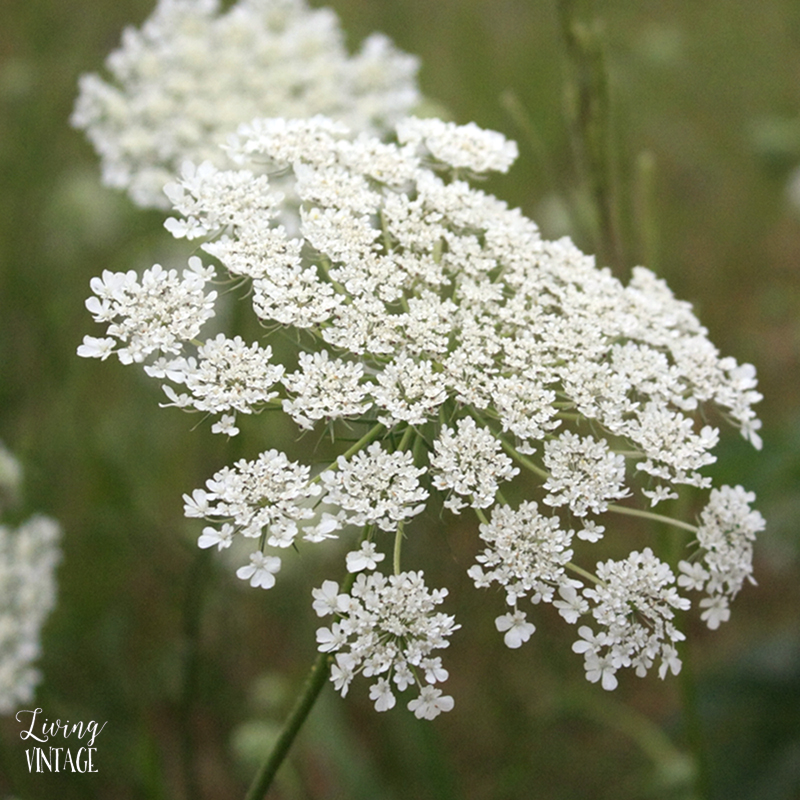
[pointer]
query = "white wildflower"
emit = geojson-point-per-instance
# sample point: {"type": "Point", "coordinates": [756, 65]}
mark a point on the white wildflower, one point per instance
{"type": "Point", "coordinates": [260, 571]}
{"type": "Point", "coordinates": [516, 628]}
{"type": "Point", "coordinates": [221, 538]}
{"type": "Point", "coordinates": [635, 603]}
{"type": "Point", "coordinates": [584, 474]}
{"type": "Point", "coordinates": [460, 146]}
{"type": "Point", "coordinates": [267, 496]}
{"type": "Point", "coordinates": [716, 611]}
{"type": "Point", "coordinates": [183, 82]}
{"type": "Point", "coordinates": [527, 553]}
{"type": "Point", "coordinates": [157, 314]}
{"type": "Point", "coordinates": [411, 391]}
{"type": "Point", "coordinates": [365, 558]}
{"type": "Point", "coordinates": [381, 693]}
{"type": "Point", "coordinates": [388, 625]}
{"type": "Point", "coordinates": [470, 463]}
{"type": "Point", "coordinates": [29, 556]}
{"type": "Point", "coordinates": [728, 528]}
{"type": "Point", "coordinates": [591, 531]}
{"type": "Point", "coordinates": [432, 328]}
{"type": "Point", "coordinates": [377, 487]}
{"type": "Point", "coordinates": [226, 375]}
{"type": "Point", "coordinates": [325, 388]}
{"type": "Point", "coordinates": [328, 600]}
{"type": "Point", "coordinates": [571, 606]}
{"type": "Point", "coordinates": [430, 703]}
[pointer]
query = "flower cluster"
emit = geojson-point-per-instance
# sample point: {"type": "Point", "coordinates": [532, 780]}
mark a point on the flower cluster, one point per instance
{"type": "Point", "coordinates": [634, 603]}
{"type": "Point", "coordinates": [193, 72]}
{"type": "Point", "coordinates": [725, 537]}
{"type": "Point", "coordinates": [29, 556]}
{"type": "Point", "coordinates": [386, 629]}
{"type": "Point", "coordinates": [380, 488]}
{"type": "Point", "coordinates": [584, 474]}
{"type": "Point", "coordinates": [469, 462]}
{"type": "Point", "coordinates": [154, 315]}
{"type": "Point", "coordinates": [438, 326]}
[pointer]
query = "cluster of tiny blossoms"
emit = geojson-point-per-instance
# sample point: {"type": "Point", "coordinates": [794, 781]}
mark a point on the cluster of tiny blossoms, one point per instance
{"type": "Point", "coordinates": [29, 556]}
{"type": "Point", "coordinates": [464, 350]}
{"type": "Point", "coordinates": [193, 72]}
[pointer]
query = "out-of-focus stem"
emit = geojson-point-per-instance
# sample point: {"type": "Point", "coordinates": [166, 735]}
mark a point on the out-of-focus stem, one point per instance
{"type": "Point", "coordinates": [644, 203]}
{"type": "Point", "coordinates": [192, 614]}
{"type": "Point", "coordinates": [588, 114]}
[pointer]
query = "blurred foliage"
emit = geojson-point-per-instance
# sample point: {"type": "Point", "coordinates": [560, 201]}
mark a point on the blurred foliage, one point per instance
{"type": "Point", "coordinates": [153, 637]}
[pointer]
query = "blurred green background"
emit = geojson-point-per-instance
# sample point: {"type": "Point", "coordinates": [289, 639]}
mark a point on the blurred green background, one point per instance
{"type": "Point", "coordinates": [193, 672]}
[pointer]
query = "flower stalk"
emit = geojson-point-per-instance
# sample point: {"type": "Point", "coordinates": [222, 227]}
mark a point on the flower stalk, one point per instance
{"type": "Point", "coordinates": [314, 683]}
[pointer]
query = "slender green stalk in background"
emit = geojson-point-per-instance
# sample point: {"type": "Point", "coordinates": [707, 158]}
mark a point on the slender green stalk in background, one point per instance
{"type": "Point", "coordinates": [693, 726]}
{"type": "Point", "coordinates": [645, 218]}
{"type": "Point", "coordinates": [588, 112]}
{"type": "Point", "coordinates": [676, 771]}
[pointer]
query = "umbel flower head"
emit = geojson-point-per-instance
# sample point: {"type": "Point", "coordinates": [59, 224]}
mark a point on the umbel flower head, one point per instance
{"type": "Point", "coordinates": [29, 556]}
{"type": "Point", "coordinates": [193, 72]}
{"type": "Point", "coordinates": [467, 353]}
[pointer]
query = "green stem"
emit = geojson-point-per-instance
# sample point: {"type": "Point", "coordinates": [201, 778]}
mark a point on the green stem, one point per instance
{"type": "Point", "coordinates": [325, 264]}
{"type": "Point", "coordinates": [398, 547]}
{"type": "Point", "coordinates": [522, 118]}
{"type": "Point", "coordinates": [651, 515]}
{"type": "Point", "coordinates": [314, 682]}
{"type": "Point", "coordinates": [582, 572]}
{"type": "Point", "coordinates": [650, 738]}
{"type": "Point", "coordinates": [364, 440]}
{"type": "Point", "coordinates": [371, 434]}
{"type": "Point", "coordinates": [305, 702]}
{"type": "Point", "coordinates": [645, 205]}
{"type": "Point", "coordinates": [526, 462]}
{"type": "Point", "coordinates": [407, 434]}
{"type": "Point", "coordinates": [192, 616]}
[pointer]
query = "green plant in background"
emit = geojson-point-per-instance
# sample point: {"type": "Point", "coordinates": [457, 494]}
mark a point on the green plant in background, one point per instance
{"type": "Point", "coordinates": [446, 348]}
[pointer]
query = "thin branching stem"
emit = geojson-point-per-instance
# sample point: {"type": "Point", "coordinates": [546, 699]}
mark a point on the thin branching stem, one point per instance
{"type": "Point", "coordinates": [523, 460]}
{"type": "Point", "coordinates": [398, 548]}
{"type": "Point", "coordinates": [651, 515]}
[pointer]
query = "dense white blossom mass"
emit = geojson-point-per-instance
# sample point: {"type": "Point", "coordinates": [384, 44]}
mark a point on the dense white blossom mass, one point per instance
{"type": "Point", "coordinates": [29, 555]}
{"type": "Point", "coordinates": [459, 351]}
{"type": "Point", "coordinates": [193, 72]}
